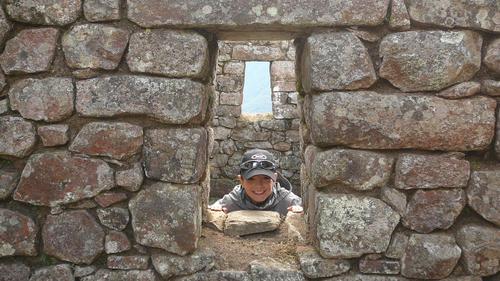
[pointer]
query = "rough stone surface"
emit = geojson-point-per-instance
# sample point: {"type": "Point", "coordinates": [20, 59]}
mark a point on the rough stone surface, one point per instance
{"type": "Point", "coordinates": [217, 275]}
{"type": "Point", "coordinates": [107, 199]}
{"type": "Point", "coordinates": [168, 52]}
{"type": "Point", "coordinates": [81, 271]}
{"type": "Point", "coordinates": [491, 87]}
{"type": "Point", "coordinates": [336, 60]}
{"type": "Point", "coordinates": [117, 140]}
{"type": "Point", "coordinates": [122, 275]}
{"type": "Point", "coordinates": [48, 99]}
{"type": "Point", "coordinates": [456, 13]}
{"type": "Point", "coordinates": [115, 218]}
{"type": "Point", "coordinates": [357, 169]}
{"type": "Point", "coordinates": [430, 256]}
{"type": "Point", "coordinates": [130, 179]}
{"type": "Point", "coordinates": [349, 226]}
{"type": "Point", "coordinates": [397, 246]}
{"type": "Point", "coordinates": [379, 266]}
{"type": "Point", "coordinates": [17, 234]}
{"type": "Point", "coordinates": [101, 10]}
{"type": "Point", "coordinates": [314, 266]}
{"type": "Point", "coordinates": [374, 121]}
{"type": "Point", "coordinates": [169, 265]}
{"type": "Point", "coordinates": [167, 216]}
{"type": "Point", "coordinates": [14, 271]}
{"type": "Point", "coordinates": [296, 227]}
{"type": "Point", "coordinates": [483, 194]}
{"type": "Point", "coordinates": [47, 12]}
{"type": "Point", "coordinates": [363, 277]}
{"type": "Point", "coordinates": [394, 198]}
{"type": "Point", "coordinates": [31, 51]}
{"type": "Point", "coordinates": [414, 171]}
{"type": "Point", "coordinates": [73, 236]}
{"type": "Point", "coordinates": [399, 18]}
{"type": "Point", "coordinates": [236, 14]}
{"type": "Point", "coordinates": [4, 104]}
{"type": "Point", "coordinates": [175, 155]}
{"type": "Point", "coordinates": [215, 219]}
{"type": "Point", "coordinates": [128, 262]}
{"type": "Point", "coordinates": [60, 272]}
{"type": "Point", "coordinates": [462, 90]}
{"type": "Point", "coordinates": [5, 26]}
{"type": "Point", "coordinates": [174, 101]}
{"type": "Point", "coordinates": [116, 242]}
{"type": "Point", "coordinates": [268, 269]}
{"type": "Point", "coordinates": [492, 57]}
{"type": "Point", "coordinates": [17, 136]}
{"type": "Point", "coordinates": [94, 46]}
{"type": "Point", "coordinates": [8, 181]}
{"type": "Point", "coordinates": [55, 178]}
{"type": "Point", "coordinates": [53, 135]}
{"type": "Point", "coordinates": [481, 249]}
{"type": "Point", "coordinates": [239, 223]}
{"type": "Point", "coordinates": [409, 58]}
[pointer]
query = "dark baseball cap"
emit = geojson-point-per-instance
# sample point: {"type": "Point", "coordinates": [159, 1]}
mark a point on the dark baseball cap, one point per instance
{"type": "Point", "coordinates": [258, 162]}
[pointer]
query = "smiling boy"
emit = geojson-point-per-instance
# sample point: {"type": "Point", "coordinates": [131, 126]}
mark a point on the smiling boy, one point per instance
{"type": "Point", "coordinates": [259, 188]}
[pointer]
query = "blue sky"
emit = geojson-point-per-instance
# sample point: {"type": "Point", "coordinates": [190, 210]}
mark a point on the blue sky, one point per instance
{"type": "Point", "coordinates": [257, 88]}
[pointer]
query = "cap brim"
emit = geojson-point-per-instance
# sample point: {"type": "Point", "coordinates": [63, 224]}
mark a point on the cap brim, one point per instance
{"type": "Point", "coordinates": [255, 172]}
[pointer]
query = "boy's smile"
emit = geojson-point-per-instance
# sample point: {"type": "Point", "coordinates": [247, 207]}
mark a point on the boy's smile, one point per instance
{"type": "Point", "coordinates": [258, 188]}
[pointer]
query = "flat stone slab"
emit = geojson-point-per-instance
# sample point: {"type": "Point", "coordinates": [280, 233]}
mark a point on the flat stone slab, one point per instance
{"type": "Point", "coordinates": [483, 193]}
{"type": "Point", "coordinates": [170, 265]}
{"type": "Point", "coordinates": [268, 269]}
{"type": "Point", "coordinates": [364, 277]}
{"type": "Point", "coordinates": [409, 59]}
{"type": "Point", "coordinates": [492, 57]}
{"type": "Point", "coordinates": [370, 120]}
{"type": "Point", "coordinates": [17, 136]}
{"type": "Point", "coordinates": [217, 275]}
{"type": "Point", "coordinates": [60, 272]}
{"type": "Point", "coordinates": [172, 101]}
{"type": "Point", "coordinates": [53, 135]}
{"type": "Point", "coordinates": [56, 178]}
{"type": "Point", "coordinates": [114, 218]}
{"type": "Point", "coordinates": [48, 12]}
{"type": "Point", "coordinates": [131, 179]}
{"type": "Point", "coordinates": [128, 262]}
{"type": "Point", "coordinates": [270, 13]}
{"type": "Point", "coordinates": [101, 10]}
{"type": "Point", "coordinates": [462, 90]}
{"type": "Point", "coordinates": [17, 234]}
{"type": "Point", "coordinates": [239, 223]}
{"type": "Point", "coordinates": [481, 249]}
{"type": "Point", "coordinates": [122, 275]}
{"type": "Point", "coordinates": [315, 266]}
{"type": "Point", "coordinates": [116, 242]}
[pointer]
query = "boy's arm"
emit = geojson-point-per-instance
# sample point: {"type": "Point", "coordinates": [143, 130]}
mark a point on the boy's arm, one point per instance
{"type": "Point", "coordinates": [217, 206]}
{"type": "Point", "coordinates": [295, 204]}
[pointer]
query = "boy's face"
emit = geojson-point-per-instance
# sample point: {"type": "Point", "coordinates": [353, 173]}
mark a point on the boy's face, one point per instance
{"type": "Point", "coordinates": [258, 187]}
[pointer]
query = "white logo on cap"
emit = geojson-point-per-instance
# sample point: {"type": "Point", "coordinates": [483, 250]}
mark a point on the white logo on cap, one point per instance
{"type": "Point", "coordinates": [259, 156]}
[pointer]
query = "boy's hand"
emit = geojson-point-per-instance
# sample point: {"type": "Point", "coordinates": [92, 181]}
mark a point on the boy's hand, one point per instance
{"type": "Point", "coordinates": [217, 207]}
{"type": "Point", "coordinates": [296, 209]}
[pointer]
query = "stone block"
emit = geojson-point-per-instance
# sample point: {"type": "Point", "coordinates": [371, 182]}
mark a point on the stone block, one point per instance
{"type": "Point", "coordinates": [314, 266]}
{"type": "Point", "coordinates": [122, 275]}
{"type": "Point", "coordinates": [170, 265]}
{"type": "Point", "coordinates": [114, 218]}
{"type": "Point", "coordinates": [336, 60]}
{"type": "Point", "coordinates": [283, 71]}
{"type": "Point", "coordinates": [409, 59]}
{"type": "Point", "coordinates": [492, 57]}
{"type": "Point", "coordinates": [101, 10]}
{"type": "Point", "coordinates": [17, 136]}
{"type": "Point", "coordinates": [356, 169]}
{"type": "Point", "coordinates": [60, 272]}
{"type": "Point", "coordinates": [48, 99]}
{"type": "Point", "coordinates": [118, 140]}
{"type": "Point", "coordinates": [173, 101]}
{"type": "Point", "coordinates": [222, 133]}
{"type": "Point", "coordinates": [373, 121]}
{"type": "Point", "coordinates": [397, 246]}
{"type": "Point", "coordinates": [365, 225]}
{"type": "Point", "coordinates": [240, 223]}
{"type": "Point", "coordinates": [131, 179]}
{"type": "Point", "coordinates": [30, 51]}
{"type": "Point", "coordinates": [73, 236]}
{"type": "Point", "coordinates": [4, 104]}
{"type": "Point", "coordinates": [50, 12]}
{"type": "Point", "coordinates": [490, 88]}
{"type": "Point", "coordinates": [229, 83]}
{"type": "Point", "coordinates": [55, 178]}
{"type": "Point", "coordinates": [394, 198]}
{"type": "Point", "coordinates": [430, 256]}
{"type": "Point", "coordinates": [14, 271]}
{"type": "Point", "coordinates": [82, 271]}
{"type": "Point", "coordinates": [462, 90]}
{"type": "Point", "coordinates": [234, 67]}
{"type": "Point", "coordinates": [8, 181]}
{"type": "Point", "coordinates": [169, 53]}
{"type": "Point", "coordinates": [217, 275]}
{"type": "Point", "coordinates": [379, 266]}
{"type": "Point", "coordinates": [17, 234]}
{"type": "Point", "coordinates": [128, 262]}
{"type": "Point", "coordinates": [249, 52]}
{"type": "Point", "coordinates": [414, 171]}
{"type": "Point", "coordinates": [116, 242]}
{"type": "Point", "coordinates": [107, 199]}
{"type": "Point", "coordinates": [483, 194]}
{"type": "Point", "coordinates": [5, 26]}
{"type": "Point", "coordinates": [268, 269]}
{"type": "Point", "coordinates": [363, 277]}
{"type": "Point", "coordinates": [481, 249]}
{"type": "Point", "coordinates": [456, 13]}
{"type": "Point", "coordinates": [53, 135]}
{"type": "Point", "coordinates": [175, 155]}
{"type": "Point", "coordinates": [167, 216]}
{"type": "Point", "coordinates": [399, 18]}
{"type": "Point", "coordinates": [232, 98]}
{"type": "Point", "coordinates": [94, 46]}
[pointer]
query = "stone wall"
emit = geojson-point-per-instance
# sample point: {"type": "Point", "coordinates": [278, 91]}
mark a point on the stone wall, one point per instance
{"type": "Point", "coordinates": [105, 137]}
{"type": "Point", "coordinates": [235, 132]}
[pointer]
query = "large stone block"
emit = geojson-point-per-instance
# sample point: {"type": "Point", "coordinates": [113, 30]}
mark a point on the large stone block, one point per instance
{"type": "Point", "coordinates": [48, 99]}
{"type": "Point", "coordinates": [94, 46]}
{"type": "Point", "coordinates": [336, 60]}
{"type": "Point", "coordinates": [122, 275]}
{"type": "Point", "coordinates": [374, 121]}
{"type": "Point", "coordinates": [270, 13]}
{"type": "Point", "coordinates": [17, 234]}
{"type": "Point", "coordinates": [168, 52]}
{"type": "Point", "coordinates": [55, 178]}
{"type": "Point", "coordinates": [116, 140]}
{"type": "Point", "coordinates": [456, 13]}
{"type": "Point", "coordinates": [167, 216]}
{"type": "Point", "coordinates": [409, 59]}
{"type": "Point", "coordinates": [17, 136]}
{"type": "Point", "coordinates": [45, 12]}
{"type": "Point", "coordinates": [73, 236]}
{"type": "Point", "coordinates": [268, 269]}
{"type": "Point", "coordinates": [430, 256]}
{"type": "Point", "coordinates": [314, 266]}
{"type": "Point", "coordinates": [483, 194]}
{"type": "Point", "coordinates": [492, 57]}
{"type": "Point", "coordinates": [14, 271]}
{"type": "Point", "coordinates": [169, 265]}
{"type": "Point", "coordinates": [174, 101]}
{"type": "Point", "coordinates": [31, 51]}
{"type": "Point", "coordinates": [430, 171]}
{"type": "Point", "coordinates": [244, 222]}
{"type": "Point", "coordinates": [175, 155]}
{"type": "Point", "coordinates": [481, 249]}
{"type": "Point", "coordinates": [349, 226]}
{"type": "Point", "coordinates": [357, 169]}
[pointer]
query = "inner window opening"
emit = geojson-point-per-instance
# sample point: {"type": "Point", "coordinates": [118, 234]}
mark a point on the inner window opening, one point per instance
{"type": "Point", "coordinates": [257, 89]}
